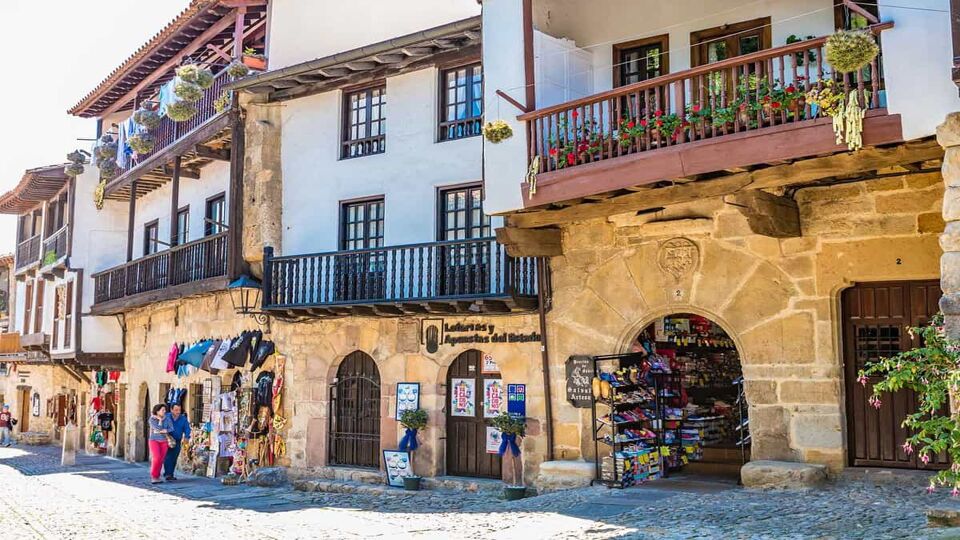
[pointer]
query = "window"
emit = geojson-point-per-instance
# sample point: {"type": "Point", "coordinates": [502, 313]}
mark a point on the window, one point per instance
{"type": "Point", "coordinates": [364, 122]}
{"type": "Point", "coordinates": [850, 19]}
{"type": "Point", "coordinates": [216, 215]}
{"type": "Point", "coordinates": [151, 234]}
{"type": "Point", "coordinates": [461, 214]}
{"type": "Point", "coordinates": [28, 307]}
{"type": "Point", "coordinates": [640, 60]}
{"type": "Point", "coordinates": [59, 295]}
{"type": "Point", "coordinates": [38, 310]}
{"type": "Point", "coordinates": [195, 395]}
{"type": "Point", "coordinates": [183, 226]}
{"type": "Point", "coordinates": [68, 316]}
{"type": "Point", "coordinates": [37, 222]}
{"type": "Point", "coordinates": [730, 40]}
{"type": "Point", "coordinates": [362, 225]}
{"type": "Point", "coordinates": [461, 102]}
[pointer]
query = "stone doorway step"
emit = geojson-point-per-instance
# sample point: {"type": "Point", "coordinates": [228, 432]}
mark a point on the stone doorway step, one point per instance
{"type": "Point", "coordinates": [724, 462]}
{"type": "Point", "coordinates": [367, 482]}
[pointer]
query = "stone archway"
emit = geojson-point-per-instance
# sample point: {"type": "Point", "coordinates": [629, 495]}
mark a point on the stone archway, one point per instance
{"type": "Point", "coordinates": [138, 442]}
{"type": "Point", "coordinates": [355, 407]}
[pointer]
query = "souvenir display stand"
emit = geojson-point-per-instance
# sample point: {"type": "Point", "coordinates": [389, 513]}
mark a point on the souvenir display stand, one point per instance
{"type": "Point", "coordinates": [101, 418]}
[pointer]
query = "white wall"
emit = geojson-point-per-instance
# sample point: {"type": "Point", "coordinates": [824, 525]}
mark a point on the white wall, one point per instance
{"type": "Point", "coordinates": [918, 60]}
{"type": "Point", "coordinates": [306, 30]}
{"type": "Point", "coordinates": [407, 174]}
{"type": "Point", "coordinates": [214, 179]}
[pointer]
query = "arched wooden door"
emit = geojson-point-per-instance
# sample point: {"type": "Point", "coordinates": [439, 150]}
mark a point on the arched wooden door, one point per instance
{"type": "Point", "coordinates": [466, 426]}
{"type": "Point", "coordinates": [355, 413]}
{"type": "Point", "coordinates": [147, 410]}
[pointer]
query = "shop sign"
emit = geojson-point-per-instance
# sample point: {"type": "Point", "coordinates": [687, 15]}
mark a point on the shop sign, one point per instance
{"type": "Point", "coordinates": [408, 397]}
{"type": "Point", "coordinates": [580, 381]}
{"type": "Point", "coordinates": [678, 257]}
{"type": "Point", "coordinates": [397, 465]}
{"type": "Point", "coordinates": [493, 440]}
{"type": "Point", "coordinates": [492, 397]}
{"type": "Point", "coordinates": [489, 364]}
{"type": "Point", "coordinates": [463, 397]}
{"type": "Point", "coordinates": [517, 400]}
{"type": "Point", "coordinates": [472, 333]}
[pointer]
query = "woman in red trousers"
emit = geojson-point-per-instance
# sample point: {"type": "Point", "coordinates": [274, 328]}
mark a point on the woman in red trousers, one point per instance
{"type": "Point", "coordinates": [160, 427]}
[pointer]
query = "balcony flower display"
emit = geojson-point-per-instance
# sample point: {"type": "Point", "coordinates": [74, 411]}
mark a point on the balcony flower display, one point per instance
{"type": "Point", "coordinates": [181, 111]}
{"type": "Point", "coordinates": [106, 149]}
{"type": "Point", "coordinates": [497, 131]}
{"type": "Point", "coordinates": [238, 70]}
{"type": "Point", "coordinates": [77, 160]}
{"type": "Point", "coordinates": [147, 118]}
{"type": "Point", "coordinates": [848, 51]}
{"type": "Point", "coordinates": [254, 60]}
{"type": "Point", "coordinates": [186, 90]}
{"type": "Point", "coordinates": [142, 142]}
{"type": "Point", "coordinates": [222, 102]}
{"type": "Point", "coordinates": [192, 73]}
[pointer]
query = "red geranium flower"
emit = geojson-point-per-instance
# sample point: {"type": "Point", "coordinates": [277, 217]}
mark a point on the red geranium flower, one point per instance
{"type": "Point", "coordinates": [776, 104]}
{"type": "Point", "coordinates": [583, 147]}
{"type": "Point", "coordinates": [791, 89]}
{"type": "Point", "coordinates": [553, 152]}
{"type": "Point", "coordinates": [643, 123]}
{"type": "Point", "coordinates": [695, 108]}
{"type": "Point", "coordinates": [659, 123]}
{"type": "Point", "coordinates": [631, 124]}
{"type": "Point", "coordinates": [575, 114]}
{"type": "Point", "coordinates": [658, 113]}
{"type": "Point", "coordinates": [571, 159]}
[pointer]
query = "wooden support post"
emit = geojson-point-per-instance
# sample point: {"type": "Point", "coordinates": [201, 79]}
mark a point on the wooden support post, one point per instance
{"type": "Point", "coordinates": [529, 66]}
{"type": "Point", "coordinates": [530, 242]}
{"type": "Point", "coordinates": [235, 261]}
{"type": "Point", "coordinates": [175, 201]}
{"type": "Point", "coordinates": [130, 219]}
{"type": "Point", "coordinates": [238, 32]}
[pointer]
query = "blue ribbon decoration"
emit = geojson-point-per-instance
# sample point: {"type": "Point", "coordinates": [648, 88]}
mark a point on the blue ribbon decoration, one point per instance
{"type": "Point", "coordinates": [508, 440]}
{"type": "Point", "coordinates": [409, 441]}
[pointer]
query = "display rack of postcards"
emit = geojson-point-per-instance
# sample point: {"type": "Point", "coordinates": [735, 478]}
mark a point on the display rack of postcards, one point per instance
{"type": "Point", "coordinates": [743, 427]}
{"type": "Point", "coordinates": [637, 434]}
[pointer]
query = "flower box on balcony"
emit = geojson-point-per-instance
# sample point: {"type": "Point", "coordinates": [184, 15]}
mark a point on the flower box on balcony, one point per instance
{"type": "Point", "coordinates": [255, 62]}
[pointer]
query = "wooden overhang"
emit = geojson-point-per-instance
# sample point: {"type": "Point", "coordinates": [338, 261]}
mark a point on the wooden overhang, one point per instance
{"type": "Point", "coordinates": [203, 33]}
{"type": "Point", "coordinates": [439, 307]}
{"type": "Point", "coordinates": [386, 58]}
{"type": "Point", "coordinates": [176, 292]}
{"type": "Point", "coordinates": [35, 187]}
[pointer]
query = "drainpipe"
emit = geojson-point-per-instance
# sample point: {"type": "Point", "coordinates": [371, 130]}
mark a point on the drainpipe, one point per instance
{"type": "Point", "coordinates": [542, 298]}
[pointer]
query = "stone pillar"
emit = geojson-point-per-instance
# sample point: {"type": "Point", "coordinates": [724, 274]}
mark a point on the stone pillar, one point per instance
{"type": "Point", "coordinates": [70, 444]}
{"type": "Point", "coordinates": [262, 180]}
{"type": "Point", "coordinates": [948, 135]}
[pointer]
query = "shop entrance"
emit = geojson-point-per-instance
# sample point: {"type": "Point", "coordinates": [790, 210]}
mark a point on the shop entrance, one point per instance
{"type": "Point", "coordinates": [145, 433]}
{"type": "Point", "coordinates": [467, 453]}
{"type": "Point", "coordinates": [875, 318]}
{"type": "Point", "coordinates": [355, 418]}
{"type": "Point", "coordinates": [25, 409]}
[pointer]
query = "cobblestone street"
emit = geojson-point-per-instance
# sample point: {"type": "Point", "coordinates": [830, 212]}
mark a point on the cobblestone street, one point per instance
{"type": "Point", "coordinates": [104, 498]}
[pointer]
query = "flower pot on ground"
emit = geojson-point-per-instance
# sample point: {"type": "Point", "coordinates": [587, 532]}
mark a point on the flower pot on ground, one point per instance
{"type": "Point", "coordinates": [413, 420]}
{"type": "Point", "coordinates": [411, 483]}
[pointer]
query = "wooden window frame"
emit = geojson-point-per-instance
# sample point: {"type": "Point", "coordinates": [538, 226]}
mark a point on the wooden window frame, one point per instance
{"type": "Point", "coordinates": [347, 144]}
{"type": "Point", "coordinates": [727, 31]}
{"type": "Point", "coordinates": [38, 306]}
{"type": "Point", "coordinates": [442, 211]}
{"type": "Point", "coordinates": [210, 228]}
{"type": "Point", "coordinates": [59, 303]}
{"type": "Point", "coordinates": [183, 229]}
{"type": "Point", "coordinates": [618, 49]}
{"type": "Point", "coordinates": [473, 125]}
{"type": "Point", "coordinates": [68, 316]}
{"type": "Point", "coordinates": [344, 205]}
{"type": "Point", "coordinates": [28, 300]}
{"type": "Point", "coordinates": [147, 240]}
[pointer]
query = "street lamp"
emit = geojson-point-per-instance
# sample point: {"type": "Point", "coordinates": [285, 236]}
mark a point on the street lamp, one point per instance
{"type": "Point", "coordinates": [245, 294]}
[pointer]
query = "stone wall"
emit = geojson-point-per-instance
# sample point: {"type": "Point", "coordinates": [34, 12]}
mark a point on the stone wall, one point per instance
{"type": "Point", "coordinates": [262, 179]}
{"type": "Point", "coordinates": [948, 135]}
{"type": "Point", "coordinates": [778, 298]}
{"type": "Point", "coordinates": [313, 352]}
{"type": "Point", "coordinates": [46, 380]}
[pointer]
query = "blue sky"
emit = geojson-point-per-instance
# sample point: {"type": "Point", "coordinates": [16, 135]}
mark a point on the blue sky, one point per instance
{"type": "Point", "coordinates": [57, 51]}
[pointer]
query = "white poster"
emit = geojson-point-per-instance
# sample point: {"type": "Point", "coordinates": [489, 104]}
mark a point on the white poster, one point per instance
{"type": "Point", "coordinates": [408, 397]}
{"type": "Point", "coordinates": [493, 440]}
{"type": "Point", "coordinates": [492, 397]}
{"type": "Point", "coordinates": [463, 397]}
{"type": "Point", "coordinates": [489, 364]}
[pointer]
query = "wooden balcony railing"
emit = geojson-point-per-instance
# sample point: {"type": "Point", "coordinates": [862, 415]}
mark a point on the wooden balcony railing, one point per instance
{"type": "Point", "coordinates": [745, 93]}
{"type": "Point", "coordinates": [55, 246]}
{"type": "Point", "coordinates": [169, 132]}
{"type": "Point", "coordinates": [194, 261]}
{"type": "Point", "coordinates": [28, 252]}
{"type": "Point", "coordinates": [456, 270]}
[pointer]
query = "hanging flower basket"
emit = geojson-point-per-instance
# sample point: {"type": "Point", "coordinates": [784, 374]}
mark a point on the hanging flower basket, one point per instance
{"type": "Point", "coordinates": [222, 102]}
{"type": "Point", "coordinates": [73, 170]}
{"type": "Point", "coordinates": [181, 111]}
{"type": "Point", "coordinates": [497, 131]}
{"type": "Point", "coordinates": [142, 143]}
{"type": "Point", "coordinates": [77, 157]}
{"type": "Point", "coordinates": [848, 51]}
{"type": "Point", "coordinates": [98, 194]}
{"type": "Point", "coordinates": [197, 75]}
{"type": "Point", "coordinates": [147, 118]}
{"type": "Point", "coordinates": [106, 150]}
{"type": "Point", "coordinates": [238, 70]}
{"type": "Point", "coordinates": [108, 170]}
{"type": "Point", "coordinates": [186, 90]}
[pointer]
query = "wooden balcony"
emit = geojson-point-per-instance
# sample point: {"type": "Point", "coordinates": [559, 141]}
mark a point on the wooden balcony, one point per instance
{"type": "Point", "coordinates": [738, 113]}
{"type": "Point", "coordinates": [28, 253]}
{"type": "Point", "coordinates": [184, 270]}
{"type": "Point", "coordinates": [200, 140]}
{"type": "Point", "coordinates": [55, 249]}
{"type": "Point", "coordinates": [469, 277]}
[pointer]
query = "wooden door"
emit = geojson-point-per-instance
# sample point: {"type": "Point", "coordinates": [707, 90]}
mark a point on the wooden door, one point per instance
{"type": "Point", "coordinates": [730, 40]}
{"type": "Point", "coordinates": [25, 410]}
{"type": "Point", "coordinates": [355, 413]}
{"type": "Point", "coordinates": [147, 408]}
{"type": "Point", "coordinates": [467, 429]}
{"type": "Point", "coordinates": [875, 321]}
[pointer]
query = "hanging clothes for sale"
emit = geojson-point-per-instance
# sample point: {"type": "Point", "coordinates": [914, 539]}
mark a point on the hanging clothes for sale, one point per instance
{"type": "Point", "coordinates": [208, 356]}
{"type": "Point", "coordinates": [239, 350]}
{"type": "Point", "coordinates": [260, 355]}
{"type": "Point", "coordinates": [256, 337]}
{"type": "Point", "coordinates": [193, 355]}
{"type": "Point", "coordinates": [263, 390]}
{"type": "Point", "coordinates": [172, 358]}
{"type": "Point", "coordinates": [218, 362]}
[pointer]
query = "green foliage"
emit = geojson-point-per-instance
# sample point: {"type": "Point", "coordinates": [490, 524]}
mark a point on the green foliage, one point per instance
{"type": "Point", "coordinates": [509, 424]}
{"type": "Point", "coordinates": [933, 373]}
{"type": "Point", "coordinates": [238, 70]}
{"type": "Point", "coordinates": [49, 258]}
{"type": "Point", "coordinates": [222, 102]}
{"type": "Point", "coordinates": [192, 73]}
{"type": "Point", "coordinates": [497, 131]}
{"type": "Point", "coordinates": [142, 143]}
{"type": "Point", "coordinates": [414, 419]}
{"type": "Point", "coordinates": [187, 90]}
{"type": "Point", "coordinates": [848, 51]}
{"type": "Point", "coordinates": [181, 111]}
{"type": "Point", "coordinates": [148, 118]}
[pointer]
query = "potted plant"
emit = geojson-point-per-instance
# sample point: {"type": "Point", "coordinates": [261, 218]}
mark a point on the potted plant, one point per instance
{"type": "Point", "coordinates": [497, 131]}
{"type": "Point", "coordinates": [142, 143]}
{"type": "Point", "coordinates": [181, 111]}
{"type": "Point", "coordinates": [848, 51]}
{"type": "Point", "coordinates": [254, 60]}
{"type": "Point", "coordinates": [200, 76]}
{"type": "Point", "coordinates": [413, 420]}
{"type": "Point", "coordinates": [49, 257]}
{"type": "Point", "coordinates": [148, 118]}
{"type": "Point", "coordinates": [238, 70]}
{"type": "Point", "coordinates": [512, 427]}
